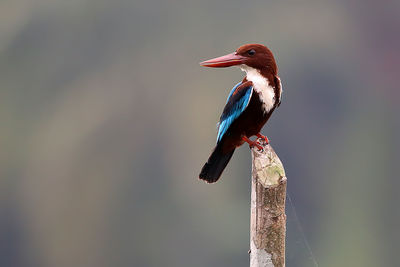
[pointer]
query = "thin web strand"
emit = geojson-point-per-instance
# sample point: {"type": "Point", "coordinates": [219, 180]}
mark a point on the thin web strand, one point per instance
{"type": "Point", "coordinates": [303, 235]}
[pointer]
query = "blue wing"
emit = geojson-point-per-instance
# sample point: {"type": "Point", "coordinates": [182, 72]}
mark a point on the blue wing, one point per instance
{"type": "Point", "coordinates": [235, 105]}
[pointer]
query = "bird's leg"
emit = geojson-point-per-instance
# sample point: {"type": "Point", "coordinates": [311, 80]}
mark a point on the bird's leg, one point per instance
{"type": "Point", "coordinates": [263, 137]}
{"type": "Point", "coordinates": [252, 143]}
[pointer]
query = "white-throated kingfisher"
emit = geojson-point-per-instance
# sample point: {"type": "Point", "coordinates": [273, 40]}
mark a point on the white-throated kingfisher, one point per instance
{"type": "Point", "coordinates": [248, 107]}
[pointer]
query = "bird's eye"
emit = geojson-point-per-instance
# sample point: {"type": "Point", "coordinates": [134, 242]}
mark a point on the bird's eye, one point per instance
{"type": "Point", "coordinates": [251, 52]}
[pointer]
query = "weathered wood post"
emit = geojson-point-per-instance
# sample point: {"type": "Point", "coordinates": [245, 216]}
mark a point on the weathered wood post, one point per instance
{"type": "Point", "coordinates": [268, 219]}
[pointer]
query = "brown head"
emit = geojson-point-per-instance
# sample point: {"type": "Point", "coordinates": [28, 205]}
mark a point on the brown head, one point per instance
{"type": "Point", "coordinates": [256, 56]}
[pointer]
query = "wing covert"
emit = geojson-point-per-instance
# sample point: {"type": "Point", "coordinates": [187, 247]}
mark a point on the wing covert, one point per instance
{"type": "Point", "coordinates": [236, 103]}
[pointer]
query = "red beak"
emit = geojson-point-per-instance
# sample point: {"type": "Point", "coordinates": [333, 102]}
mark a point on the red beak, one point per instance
{"type": "Point", "coordinates": [232, 59]}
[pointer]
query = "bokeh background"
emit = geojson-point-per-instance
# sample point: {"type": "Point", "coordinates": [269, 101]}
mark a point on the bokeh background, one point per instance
{"type": "Point", "coordinates": [107, 118]}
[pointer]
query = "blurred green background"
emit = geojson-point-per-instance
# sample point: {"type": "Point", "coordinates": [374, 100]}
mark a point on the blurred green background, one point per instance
{"type": "Point", "coordinates": [107, 118]}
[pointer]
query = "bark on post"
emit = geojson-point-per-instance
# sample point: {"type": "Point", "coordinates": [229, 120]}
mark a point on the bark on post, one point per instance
{"type": "Point", "coordinates": [268, 219]}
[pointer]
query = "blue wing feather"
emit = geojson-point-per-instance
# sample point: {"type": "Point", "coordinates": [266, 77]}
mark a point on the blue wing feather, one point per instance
{"type": "Point", "coordinates": [234, 107]}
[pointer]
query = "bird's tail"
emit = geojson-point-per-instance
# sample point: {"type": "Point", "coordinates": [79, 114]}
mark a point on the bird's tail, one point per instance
{"type": "Point", "coordinates": [215, 164]}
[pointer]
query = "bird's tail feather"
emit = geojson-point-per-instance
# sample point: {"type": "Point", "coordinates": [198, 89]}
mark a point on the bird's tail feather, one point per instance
{"type": "Point", "coordinates": [215, 164]}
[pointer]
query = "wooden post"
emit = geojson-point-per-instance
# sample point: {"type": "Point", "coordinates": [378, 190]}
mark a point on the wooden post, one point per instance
{"type": "Point", "coordinates": [268, 219]}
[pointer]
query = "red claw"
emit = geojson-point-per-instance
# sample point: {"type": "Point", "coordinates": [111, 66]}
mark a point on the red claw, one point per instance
{"type": "Point", "coordinates": [263, 137]}
{"type": "Point", "coordinates": [252, 143]}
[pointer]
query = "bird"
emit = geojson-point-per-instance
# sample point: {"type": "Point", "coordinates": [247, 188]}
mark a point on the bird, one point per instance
{"type": "Point", "coordinates": [248, 106]}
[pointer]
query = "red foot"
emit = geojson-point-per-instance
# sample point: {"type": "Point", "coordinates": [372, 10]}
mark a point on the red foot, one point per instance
{"type": "Point", "coordinates": [252, 143]}
{"type": "Point", "coordinates": [263, 137]}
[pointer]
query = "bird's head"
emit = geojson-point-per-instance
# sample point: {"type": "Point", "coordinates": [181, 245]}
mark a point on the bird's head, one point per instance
{"type": "Point", "coordinates": [256, 56]}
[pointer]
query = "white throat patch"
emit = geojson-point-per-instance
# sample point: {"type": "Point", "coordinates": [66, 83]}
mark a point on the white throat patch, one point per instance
{"type": "Point", "coordinates": [261, 86]}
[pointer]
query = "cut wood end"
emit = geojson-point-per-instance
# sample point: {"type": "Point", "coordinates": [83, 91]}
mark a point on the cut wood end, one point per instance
{"type": "Point", "coordinates": [267, 166]}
